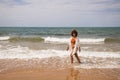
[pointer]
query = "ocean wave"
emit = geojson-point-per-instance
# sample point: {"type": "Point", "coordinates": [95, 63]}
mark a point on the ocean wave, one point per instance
{"type": "Point", "coordinates": [115, 40]}
{"type": "Point", "coordinates": [55, 39]}
{"type": "Point", "coordinates": [66, 40]}
{"type": "Point", "coordinates": [15, 39]}
{"type": "Point", "coordinates": [83, 40]}
{"type": "Point", "coordinates": [89, 59]}
{"type": "Point", "coordinates": [26, 53]}
{"type": "Point", "coordinates": [31, 39]}
{"type": "Point", "coordinates": [4, 38]}
{"type": "Point", "coordinates": [58, 39]}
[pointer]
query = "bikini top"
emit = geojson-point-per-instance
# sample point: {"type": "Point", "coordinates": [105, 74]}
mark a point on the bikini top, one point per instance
{"type": "Point", "coordinates": [73, 40]}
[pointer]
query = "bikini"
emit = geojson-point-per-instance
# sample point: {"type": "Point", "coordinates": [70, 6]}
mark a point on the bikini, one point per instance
{"type": "Point", "coordinates": [73, 40]}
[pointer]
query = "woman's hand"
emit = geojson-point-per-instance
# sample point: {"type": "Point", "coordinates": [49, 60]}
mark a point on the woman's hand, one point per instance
{"type": "Point", "coordinates": [79, 49]}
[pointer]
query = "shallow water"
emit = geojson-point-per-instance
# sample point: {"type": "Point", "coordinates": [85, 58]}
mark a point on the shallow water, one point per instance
{"type": "Point", "coordinates": [41, 47]}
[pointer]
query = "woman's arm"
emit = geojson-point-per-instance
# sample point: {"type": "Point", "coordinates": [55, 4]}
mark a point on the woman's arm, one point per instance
{"type": "Point", "coordinates": [79, 48]}
{"type": "Point", "coordinates": [78, 44]}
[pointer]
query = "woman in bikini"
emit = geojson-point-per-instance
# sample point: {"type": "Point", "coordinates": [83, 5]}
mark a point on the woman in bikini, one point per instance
{"type": "Point", "coordinates": [74, 46]}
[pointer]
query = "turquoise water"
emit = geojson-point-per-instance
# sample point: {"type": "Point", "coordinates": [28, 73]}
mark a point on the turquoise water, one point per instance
{"type": "Point", "coordinates": [110, 34]}
{"type": "Point", "coordinates": [61, 31]}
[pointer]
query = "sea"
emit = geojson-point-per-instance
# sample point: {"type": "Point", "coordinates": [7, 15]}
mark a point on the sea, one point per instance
{"type": "Point", "coordinates": [40, 46]}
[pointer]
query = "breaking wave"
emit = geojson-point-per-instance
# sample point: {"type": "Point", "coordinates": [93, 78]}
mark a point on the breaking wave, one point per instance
{"type": "Point", "coordinates": [15, 39]}
{"type": "Point", "coordinates": [25, 52]}
{"type": "Point", "coordinates": [59, 39]}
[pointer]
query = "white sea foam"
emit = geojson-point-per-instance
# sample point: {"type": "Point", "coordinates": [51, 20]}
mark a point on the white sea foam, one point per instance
{"type": "Point", "coordinates": [100, 54]}
{"type": "Point", "coordinates": [4, 38]}
{"type": "Point", "coordinates": [55, 39]}
{"type": "Point", "coordinates": [63, 40]}
{"type": "Point", "coordinates": [89, 59]}
{"type": "Point", "coordinates": [102, 65]}
{"type": "Point", "coordinates": [66, 40]}
{"type": "Point", "coordinates": [24, 52]}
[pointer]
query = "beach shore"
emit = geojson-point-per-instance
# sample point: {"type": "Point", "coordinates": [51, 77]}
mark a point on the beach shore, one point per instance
{"type": "Point", "coordinates": [55, 68]}
{"type": "Point", "coordinates": [62, 74]}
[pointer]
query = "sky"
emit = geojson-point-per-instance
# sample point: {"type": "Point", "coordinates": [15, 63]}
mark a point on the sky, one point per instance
{"type": "Point", "coordinates": [60, 13]}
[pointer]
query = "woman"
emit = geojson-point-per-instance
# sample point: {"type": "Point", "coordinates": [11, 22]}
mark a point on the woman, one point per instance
{"type": "Point", "coordinates": [74, 46]}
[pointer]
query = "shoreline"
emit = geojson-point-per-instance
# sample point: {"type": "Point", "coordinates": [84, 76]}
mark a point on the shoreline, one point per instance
{"type": "Point", "coordinates": [63, 74]}
{"type": "Point", "coordinates": [57, 63]}
{"type": "Point", "coordinates": [53, 69]}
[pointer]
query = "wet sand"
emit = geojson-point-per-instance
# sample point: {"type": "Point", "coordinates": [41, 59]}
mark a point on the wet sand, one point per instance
{"type": "Point", "coordinates": [62, 74]}
{"type": "Point", "coordinates": [53, 69]}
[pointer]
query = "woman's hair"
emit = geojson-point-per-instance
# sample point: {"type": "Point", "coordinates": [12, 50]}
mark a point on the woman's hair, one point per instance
{"type": "Point", "coordinates": [75, 32]}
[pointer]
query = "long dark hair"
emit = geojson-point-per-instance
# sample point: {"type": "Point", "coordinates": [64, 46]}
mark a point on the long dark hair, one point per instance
{"type": "Point", "coordinates": [75, 32]}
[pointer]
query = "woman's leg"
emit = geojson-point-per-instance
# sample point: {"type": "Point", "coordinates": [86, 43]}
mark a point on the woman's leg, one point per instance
{"type": "Point", "coordinates": [71, 57]}
{"type": "Point", "coordinates": [76, 55]}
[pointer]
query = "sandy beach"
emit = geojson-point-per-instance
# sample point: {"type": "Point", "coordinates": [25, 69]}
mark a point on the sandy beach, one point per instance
{"type": "Point", "coordinates": [38, 69]}
{"type": "Point", "coordinates": [63, 74]}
